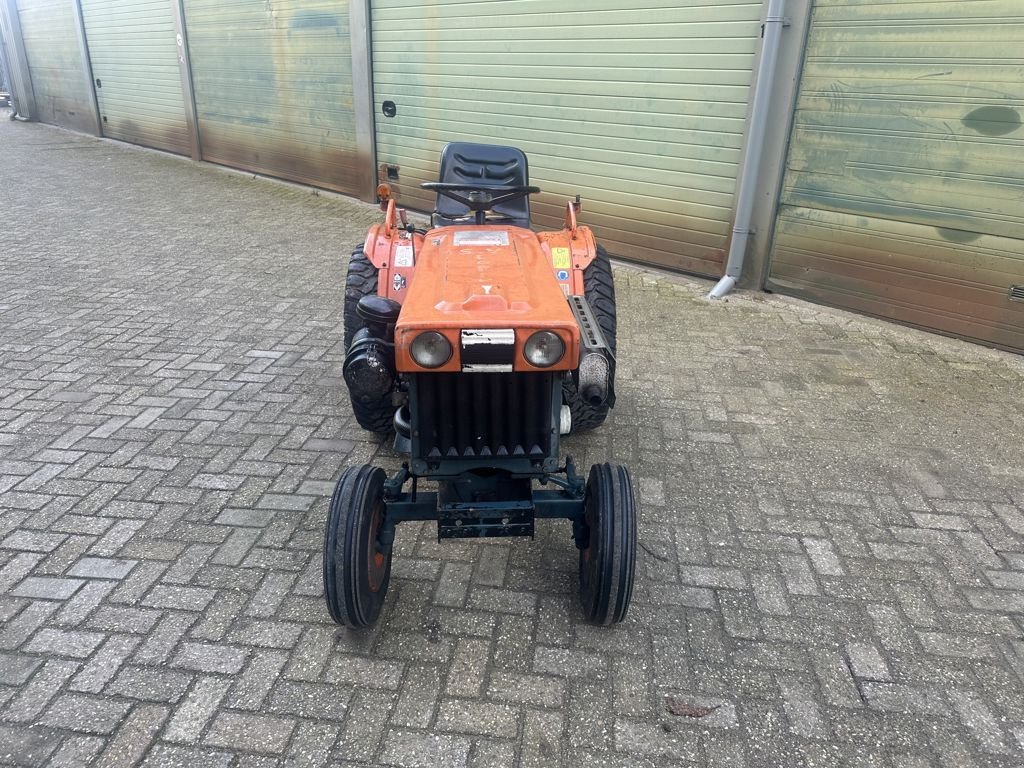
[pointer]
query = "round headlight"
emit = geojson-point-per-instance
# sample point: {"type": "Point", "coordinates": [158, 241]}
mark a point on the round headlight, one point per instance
{"type": "Point", "coordinates": [543, 349]}
{"type": "Point", "coordinates": [431, 349]}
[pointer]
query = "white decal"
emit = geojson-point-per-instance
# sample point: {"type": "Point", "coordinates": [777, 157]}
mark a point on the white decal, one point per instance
{"type": "Point", "coordinates": [478, 237]}
{"type": "Point", "coordinates": [403, 256]}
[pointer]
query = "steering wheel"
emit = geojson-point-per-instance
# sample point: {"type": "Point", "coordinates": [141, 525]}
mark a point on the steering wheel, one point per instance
{"type": "Point", "coordinates": [480, 197]}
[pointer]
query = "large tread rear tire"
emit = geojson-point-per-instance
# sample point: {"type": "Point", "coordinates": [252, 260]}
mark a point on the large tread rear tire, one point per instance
{"type": "Point", "coordinates": [608, 561]}
{"type": "Point", "coordinates": [599, 290]}
{"type": "Point", "coordinates": [356, 575]}
{"type": "Point", "coordinates": [360, 281]}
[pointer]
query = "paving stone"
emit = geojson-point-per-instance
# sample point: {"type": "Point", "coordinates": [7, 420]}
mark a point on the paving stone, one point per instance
{"type": "Point", "coordinates": [362, 672]}
{"type": "Point", "coordinates": [27, 746]}
{"type": "Point", "coordinates": [59, 642]}
{"type": "Point", "coordinates": [76, 751]}
{"type": "Point", "coordinates": [866, 662]}
{"type": "Point", "coordinates": [538, 690]}
{"type": "Point", "coordinates": [185, 598]}
{"type": "Point", "coordinates": [368, 716]}
{"type": "Point", "coordinates": [470, 716]}
{"type": "Point", "coordinates": [47, 588]}
{"type": "Point", "coordinates": [203, 657]}
{"type": "Point", "coordinates": [981, 721]}
{"type": "Point", "coordinates": [252, 733]}
{"type": "Point", "coordinates": [16, 669]}
{"type": "Point", "coordinates": [543, 737]}
{"type": "Point", "coordinates": [150, 684]}
{"type": "Point", "coordinates": [418, 697]}
{"type": "Point", "coordinates": [134, 737]}
{"type": "Point", "coordinates": [309, 700]}
{"type": "Point", "coordinates": [909, 699]}
{"type": "Point", "coordinates": [171, 756]}
{"type": "Point", "coordinates": [412, 749]}
{"type": "Point", "coordinates": [86, 714]}
{"type": "Point", "coordinates": [311, 745]}
{"type": "Point", "coordinates": [643, 738]}
{"type": "Point", "coordinates": [469, 664]}
{"type": "Point", "coordinates": [562, 662]}
{"type": "Point", "coordinates": [805, 716]}
{"type": "Point", "coordinates": [488, 753]}
{"type": "Point", "coordinates": [191, 717]}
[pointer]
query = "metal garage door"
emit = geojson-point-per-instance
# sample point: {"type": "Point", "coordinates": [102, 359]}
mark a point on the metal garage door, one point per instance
{"type": "Point", "coordinates": [640, 111]}
{"type": "Point", "coordinates": [273, 89]}
{"type": "Point", "coordinates": [134, 59]}
{"type": "Point", "coordinates": [56, 66]}
{"type": "Point", "coordinates": [904, 192]}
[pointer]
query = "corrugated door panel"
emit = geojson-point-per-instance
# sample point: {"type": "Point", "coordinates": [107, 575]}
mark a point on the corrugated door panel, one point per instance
{"type": "Point", "coordinates": [273, 89]}
{"type": "Point", "coordinates": [55, 63]}
{"type": "Point", "coordinates": [134, 56]}
{"type": "Point", "coordinates": [904, 191]}
{"type": "Point", "coordinates": [638, 108]}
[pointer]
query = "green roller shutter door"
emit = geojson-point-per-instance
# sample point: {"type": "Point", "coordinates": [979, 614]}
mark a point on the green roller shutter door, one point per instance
{"type": "Point", "coordinates": [642, 112]}
{"type": "Point", "coordinates": [133, 51]}
{"type": "Point", "coordinates": [55, 62]}
{"type": "Point", "coordinates": [904, 191]}
{"type": "Point", "coordinates": [273, 89]}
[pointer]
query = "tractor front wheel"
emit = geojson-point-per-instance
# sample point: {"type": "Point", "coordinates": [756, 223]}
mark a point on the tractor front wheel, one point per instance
{"type": "Point", "coordinates": [608, 555]}
{"type": "Point", "coordinates": [356, 570]}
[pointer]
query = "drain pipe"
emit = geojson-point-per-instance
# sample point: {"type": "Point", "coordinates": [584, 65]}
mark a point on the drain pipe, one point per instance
{"type": "Point", "coordinates": [773, 24]}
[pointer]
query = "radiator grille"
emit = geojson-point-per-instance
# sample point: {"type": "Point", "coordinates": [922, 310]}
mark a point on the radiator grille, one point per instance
{"type": "Point", "coordinates": [483, 414]}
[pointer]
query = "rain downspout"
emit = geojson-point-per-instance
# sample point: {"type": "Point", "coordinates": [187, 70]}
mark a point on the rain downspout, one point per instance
{"type": "Point", "coordinates": [772, 34]}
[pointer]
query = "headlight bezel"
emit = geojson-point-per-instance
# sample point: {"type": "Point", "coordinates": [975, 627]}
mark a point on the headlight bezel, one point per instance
{"type": "Point", "coordinates": [549, 337]}
{"type": "Point", "coordinates": [426, 337]}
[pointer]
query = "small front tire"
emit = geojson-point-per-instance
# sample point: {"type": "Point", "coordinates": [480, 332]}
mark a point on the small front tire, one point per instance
{"type": "Point", "coordinates": [608, 553]}
{"type": "Point", "coordinates": [356, 573]}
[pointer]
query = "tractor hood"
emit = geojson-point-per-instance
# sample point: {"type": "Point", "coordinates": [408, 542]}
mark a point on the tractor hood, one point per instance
{"type": "Point", "coordinates": [490, 277]}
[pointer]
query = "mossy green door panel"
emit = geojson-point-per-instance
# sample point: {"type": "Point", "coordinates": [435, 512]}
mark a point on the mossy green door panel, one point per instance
{"type": "Point", "coordinates": [273, 89]}
{"type": "Point", "coordinates": [904, 190]}
{"type": "Point", "coordinates": [640, 112]}
{"type": "Point", "coordinates": [56, 65]}
{"type": "Point", "coordinates": [134, 57]}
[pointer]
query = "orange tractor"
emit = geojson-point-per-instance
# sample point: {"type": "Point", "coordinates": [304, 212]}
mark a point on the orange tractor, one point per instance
{"type": "Point", "coordinates": [479, 342]}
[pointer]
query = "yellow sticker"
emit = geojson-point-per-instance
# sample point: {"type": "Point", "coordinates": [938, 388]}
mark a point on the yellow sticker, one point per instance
{"type": "Point", "coordinates": [560, 258]}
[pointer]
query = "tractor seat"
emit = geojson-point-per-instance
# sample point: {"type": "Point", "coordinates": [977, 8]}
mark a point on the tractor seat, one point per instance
{"type": "Point", "coordinates": [465, 163]}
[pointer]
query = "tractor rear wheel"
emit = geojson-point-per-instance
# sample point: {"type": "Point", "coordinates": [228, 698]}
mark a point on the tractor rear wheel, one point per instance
{"type": "Point", "coordinates": [362, 281]}
{"type": "Point", "coordinates": [599, 290]}
{"type": "Point", "coordinates": [608, 559]}
{"type": "Point", "coordinates": [356, 572]}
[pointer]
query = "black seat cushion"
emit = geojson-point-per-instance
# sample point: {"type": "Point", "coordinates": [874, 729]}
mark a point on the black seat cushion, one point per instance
{"type": "Point", "coordinates": [465, 163]}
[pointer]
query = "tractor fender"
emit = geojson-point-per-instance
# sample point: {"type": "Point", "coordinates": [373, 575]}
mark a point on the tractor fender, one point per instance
{"type": "Point", "coordinates": [569, 252]}
{"type": "Point", "coordinates": [393, 252]}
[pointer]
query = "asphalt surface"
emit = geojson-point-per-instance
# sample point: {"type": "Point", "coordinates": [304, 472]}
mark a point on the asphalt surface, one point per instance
{"type": "Point", "coordinates": [832, 529]}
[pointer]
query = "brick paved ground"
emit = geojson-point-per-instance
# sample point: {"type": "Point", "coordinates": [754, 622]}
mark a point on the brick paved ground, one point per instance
{"type": "Point", "coordinates": [832, 529]}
